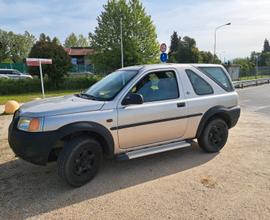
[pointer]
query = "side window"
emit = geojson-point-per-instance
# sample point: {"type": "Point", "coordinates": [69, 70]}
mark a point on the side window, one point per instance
{"type": "Point", "coordinates": [200, 86]}
{"type": "Point", "coordinates": [157, 86]}
{"type": "Point", "coordinates": [15, 72]}
{"type": "Point", "coordinates": [219, 76]}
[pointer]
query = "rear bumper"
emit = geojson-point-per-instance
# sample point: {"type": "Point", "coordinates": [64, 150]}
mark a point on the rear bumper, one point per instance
{"type": "Point", "coordinates": [234, 114]}
{"type": "Point", "coordinates": [32, 147]}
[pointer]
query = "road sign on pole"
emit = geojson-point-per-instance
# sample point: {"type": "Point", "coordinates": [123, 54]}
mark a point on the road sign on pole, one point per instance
{"type": "Point", "coordinates": [163, 57]}
{"type": "Point", "coordinates": [39, 62]}
{"type": "Point", "coordinates": [163, 48]}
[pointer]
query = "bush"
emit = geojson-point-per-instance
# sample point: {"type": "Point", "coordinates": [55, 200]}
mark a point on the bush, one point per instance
{"type": "Point", "coordinates": [9, 86]}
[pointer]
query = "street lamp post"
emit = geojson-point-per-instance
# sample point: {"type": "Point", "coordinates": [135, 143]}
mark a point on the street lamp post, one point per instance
{"type": "Point", "coordinates": [215, 39]}
{"type": "Point", "coordinates": [122, 49]}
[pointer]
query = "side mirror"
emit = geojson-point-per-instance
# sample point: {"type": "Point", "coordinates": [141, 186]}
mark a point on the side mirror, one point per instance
{"type": "Point", "coordinates": [132, 99]}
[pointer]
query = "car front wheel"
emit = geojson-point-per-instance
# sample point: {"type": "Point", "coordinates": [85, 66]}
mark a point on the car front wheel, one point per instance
{"type": "Point", "coordinates": [79, 161]}
{"type": "Point", "coordinates": [214, 136]}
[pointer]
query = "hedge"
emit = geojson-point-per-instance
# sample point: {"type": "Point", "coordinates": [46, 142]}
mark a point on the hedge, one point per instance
{"type": "Point", "coordinates": [9, 86]}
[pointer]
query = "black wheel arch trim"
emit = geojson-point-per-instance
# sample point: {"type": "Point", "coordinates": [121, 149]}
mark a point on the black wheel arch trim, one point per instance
{"type": "Point", "coordinates": [229, 114]}
{"type": "Point", "coordinates": [93, 127]}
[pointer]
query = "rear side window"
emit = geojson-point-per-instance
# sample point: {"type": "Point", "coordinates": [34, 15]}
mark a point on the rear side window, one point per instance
{"type": "Point", "coordinates": [219, 76]}
{"type": "Point", "coordinates": [200, 86]}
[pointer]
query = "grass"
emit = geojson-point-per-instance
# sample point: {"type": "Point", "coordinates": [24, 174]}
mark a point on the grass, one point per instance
{"type": "Point", "coordinates": [30, 96]}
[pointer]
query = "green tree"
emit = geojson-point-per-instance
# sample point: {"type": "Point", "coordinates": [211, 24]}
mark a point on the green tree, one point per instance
{"type": "Point", "coordinates": [188, 52]}
{"type": "Point", "coordinates": [82, 41]}
{"type": "Point", "coordinates": [175, 41]}
{"type": "Point", "coordinates": [139, 36]}
{"type": "Point", "coordinates": [185, 51]}
{"type": "Point", "coordinates": [56, 41]}
{"type": "Point", "coordinates": [71, 41]}
{"type": "Point", "coordinates": [207, 57]}
{"type": "Point", "coordinates": [247, 66]}
{"type": "Point", "coordinates": [266, 46]}
{"type": "Point", "coordinates": [76, 41]}
{"type": "Point", "coordinates": [15, 47]}
{"type": "Point", "coordinates": [45, 48]}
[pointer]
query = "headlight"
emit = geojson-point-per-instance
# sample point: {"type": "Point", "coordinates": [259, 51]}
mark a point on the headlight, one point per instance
{"type": "Point", "coordinates": [30, 124]}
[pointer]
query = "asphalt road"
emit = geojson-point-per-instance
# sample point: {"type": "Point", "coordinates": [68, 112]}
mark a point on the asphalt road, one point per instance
{"type": "Point", "coordinates": [256, 99]}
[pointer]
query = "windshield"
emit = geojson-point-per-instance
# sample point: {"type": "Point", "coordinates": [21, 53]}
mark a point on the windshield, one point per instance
{"type": "Point", "coordinates": [107, 88]}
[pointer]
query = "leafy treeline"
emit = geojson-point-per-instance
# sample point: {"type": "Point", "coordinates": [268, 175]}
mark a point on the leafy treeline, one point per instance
{"type": "Point", "coordinates": [184, 50]}
{"type": "Point", "coordinates": [248, 64]}
{"type": "Point", "coordinates": [14, 48]}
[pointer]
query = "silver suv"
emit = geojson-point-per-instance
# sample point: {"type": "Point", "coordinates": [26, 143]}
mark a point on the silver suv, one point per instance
{"type": "Point", "coordinates": [133, 112]}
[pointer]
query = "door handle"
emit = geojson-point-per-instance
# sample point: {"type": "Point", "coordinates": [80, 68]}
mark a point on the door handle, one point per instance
{"type": "Point", "coordinates": [181, 104]}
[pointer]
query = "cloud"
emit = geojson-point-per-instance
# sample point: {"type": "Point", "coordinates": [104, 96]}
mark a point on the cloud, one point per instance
{"type": "Point", "coordinates": [55, 18]}
{"type": "Point", "coordinates": [250, 22]}
{"type": "Point", "coordinates": [195, 18]}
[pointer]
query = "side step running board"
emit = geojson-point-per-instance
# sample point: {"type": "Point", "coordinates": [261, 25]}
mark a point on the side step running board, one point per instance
{"type": "Point", "coordinates": [152, 150]}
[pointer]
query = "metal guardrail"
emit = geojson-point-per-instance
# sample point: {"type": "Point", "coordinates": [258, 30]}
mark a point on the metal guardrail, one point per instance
{"type": "Point", "coordinates": [246, 83]}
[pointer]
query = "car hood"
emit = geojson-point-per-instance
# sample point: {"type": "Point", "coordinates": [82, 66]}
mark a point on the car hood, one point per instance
{"type": "Point", "coordinates": [59, 106]}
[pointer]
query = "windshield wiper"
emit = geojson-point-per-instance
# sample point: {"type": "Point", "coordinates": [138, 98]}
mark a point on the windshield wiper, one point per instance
{"type": "Point", "coordinates": [85, 95]}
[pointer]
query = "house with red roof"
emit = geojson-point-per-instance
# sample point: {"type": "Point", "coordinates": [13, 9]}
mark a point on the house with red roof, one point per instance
{"type": "Point", "coordinates": [80, 58]}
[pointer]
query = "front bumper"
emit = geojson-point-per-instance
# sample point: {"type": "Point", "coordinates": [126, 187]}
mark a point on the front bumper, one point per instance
{"type": "Point", "coordinates": [32, 147]}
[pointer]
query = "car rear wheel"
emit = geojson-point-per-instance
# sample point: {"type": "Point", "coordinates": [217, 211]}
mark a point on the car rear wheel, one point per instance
{"type": "Point", "coordinates": [214, 136]}
{"type": "Point", "coordinates": [79, 161]}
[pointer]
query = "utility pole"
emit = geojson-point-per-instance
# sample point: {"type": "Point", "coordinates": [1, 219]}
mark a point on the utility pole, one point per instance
{"type": "Point", "coordinates": [122, 49]}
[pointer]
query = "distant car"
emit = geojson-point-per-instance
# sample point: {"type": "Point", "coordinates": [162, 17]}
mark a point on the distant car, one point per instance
{"type": "Point", "coordinates": [14, 74]}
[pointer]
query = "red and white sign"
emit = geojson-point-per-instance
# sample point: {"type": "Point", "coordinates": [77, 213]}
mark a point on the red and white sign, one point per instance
{"type": "Point", "coordinates": [163, 48]}
{"type": "Point", "coordinates": [37, 61]}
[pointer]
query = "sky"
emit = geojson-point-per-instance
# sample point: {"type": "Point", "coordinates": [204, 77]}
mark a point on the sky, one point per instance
{"type": "Point", "coordinates": [194, 18]}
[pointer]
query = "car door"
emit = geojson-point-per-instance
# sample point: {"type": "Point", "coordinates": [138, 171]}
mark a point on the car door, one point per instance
{"type": "Point", "coordinates": [160, 118]}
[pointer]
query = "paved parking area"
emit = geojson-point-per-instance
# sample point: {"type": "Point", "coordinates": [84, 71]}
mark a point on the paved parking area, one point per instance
{"type": "Point", "coordinates": [181, 184]}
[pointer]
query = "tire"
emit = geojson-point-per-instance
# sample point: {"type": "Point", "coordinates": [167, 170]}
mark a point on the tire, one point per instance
{"type": "Point", "coordinates": [79, 161]}
{"type": "Point", "coordinates": [214, 136]}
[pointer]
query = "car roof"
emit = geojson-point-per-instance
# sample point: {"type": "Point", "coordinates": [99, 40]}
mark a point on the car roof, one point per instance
{"type": "Point", "coordinates": [7, 69]}
{"type": "Point", "coordinates": [168, 65]}
{"type": "Point", "coordinates": [206, 65]}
